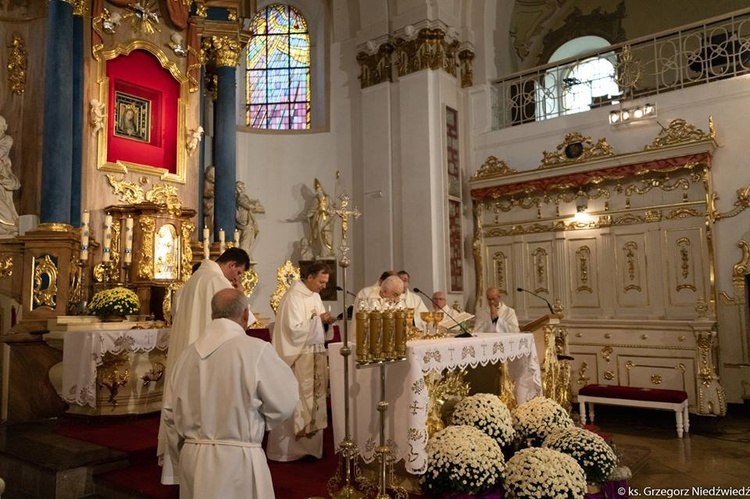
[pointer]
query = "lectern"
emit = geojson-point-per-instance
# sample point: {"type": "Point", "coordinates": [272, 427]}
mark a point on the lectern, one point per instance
{"type": "Point", "coordinates": [551, 340]}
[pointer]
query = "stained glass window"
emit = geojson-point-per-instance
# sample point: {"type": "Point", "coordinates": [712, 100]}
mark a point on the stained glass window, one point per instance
{"type": "Point", "coordinates": [278, 70]}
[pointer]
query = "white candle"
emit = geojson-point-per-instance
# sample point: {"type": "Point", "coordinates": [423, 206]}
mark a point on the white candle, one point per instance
{"type": "Point", "coordinates": [206, 249]}
{"type": "Point", "coordinates": [107, 238]}
{"type": "Point", "coordinates": [206, 234]}
{"type": "Point", "coordinates": [128, 256]}
{"type": "Point", "coordinates": [236, 238]}
{"type": "Point", "coordinates": [85, 235]}
{"type": "Point", "coordinates": [222, 241]}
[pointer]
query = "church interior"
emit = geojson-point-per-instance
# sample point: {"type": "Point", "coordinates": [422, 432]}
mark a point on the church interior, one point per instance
{"type": "Point", "coordinates": [583, 157]}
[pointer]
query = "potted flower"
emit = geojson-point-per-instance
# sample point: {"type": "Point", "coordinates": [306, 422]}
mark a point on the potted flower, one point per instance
{"type": "Point", "coordinates": [488, 413]}
{"type": "Point", "coordinates": [540, 472]}
{"type": "Point", "coordinates": [592, 453]}
{"type": "Point", "coordinates": [536, 419]}
{"type": "Point", "coordinates": [114, 303]}
{"type": "Point", "coordinates": [462, 460]}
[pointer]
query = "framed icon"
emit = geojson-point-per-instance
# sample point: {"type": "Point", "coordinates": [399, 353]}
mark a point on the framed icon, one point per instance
{"type": "Point", "coordinates": [132, 117]}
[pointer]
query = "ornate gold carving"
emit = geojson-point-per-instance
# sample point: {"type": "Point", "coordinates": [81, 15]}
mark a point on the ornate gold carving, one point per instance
{"type": "Point", "coordinates": [499, 260]}
{"type": "Point", "coordinates": [680, 131]}
{"type": "Point", "coordinates": [741, 268]}
{"type": "Point", "coordinates": [375, 67]}
{"type": "Point", "coordinates": [249, 280]}
{"type": "Point", "coordinates": [466, 66]}
{"type": "Point", "coordinates": [628, 71]}
{"type": "Point", "coordinates": [683, 213]}
{"type": "Point", "coordinates": [6, 265]}
{"type": "Point", "coordinates": [285, 277]}
{"type": "Point", "coordinates": [18, 62]}
{"type": "Point", "coordinates": [146, 263]}
{"type": "Point", "coordinates": [683, 247]}
{"type": "Point", "coordinates": [575, 149]}
{"type": "Point", "coordinates": [701, 308]}
{"type": "Point", "coordinates": [582, 378]}
{"type": "Point", "coordinates": [491, 168]}
{"type": "Point", "coordinates": [231, 14]}
{"type": "Point", "coordinates": [129, 192]}
{"type": "Point", "coordinates": [476, 247]}
{"type": "Point", "coordinates": [607, 353]}
{"type": "Point", "coordinates": [428, 50]}
{"type": "Point", "coordinates": [44, 292]}
{"type": "Point", "coordinates": [583, 255]}
{"type": "Point", "coordinates": [742, 203]}
{"type": "Point", "coordinates": [539, 261]}
{"type": "Point", "coordinates": [201, 9]}
{"type": "Point", "coordinates": [444, 394]}
{"type": "Point", "coordinates": [165, 195]}
{"type": "Point", "coordinates": [609, 375]}
{"type": "Point", "coordinates": [154, 375]}
{"type": "Point", "coordinates": [80, 7]}
{"type": "Point", "coordinates": [143, 16]}
{"type": "Point", "coordinates": [187, 251]}
{"type": "Point", "coordinates": [224, 51]}
{"type": "Point", "coordinates": [656, 379]}
{"type": "Point", "coordinates": [113, 374]}
{"type": "Point", "coordinates": [55, 227]}
{"type": "Point", "coordinates": [630, 250]}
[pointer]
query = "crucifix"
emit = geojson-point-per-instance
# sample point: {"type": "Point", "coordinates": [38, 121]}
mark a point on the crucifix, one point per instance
{"type": "Point", "coordinates": [343, 212]}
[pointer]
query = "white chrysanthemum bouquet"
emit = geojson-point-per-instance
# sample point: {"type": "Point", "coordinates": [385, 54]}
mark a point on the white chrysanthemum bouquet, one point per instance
{"type": "Point", "coordinates": [462, 459]}
{"type": "Point", "coordinates": [538, 418]}
{"type": "Point", "coordinates": [488, 413]}
{"type": "Point", "coordinates": [115, 301]}
{"type": "Point", "coordinates": [592, 453]}
{"type": "Point", "coordinates": [538, 472]}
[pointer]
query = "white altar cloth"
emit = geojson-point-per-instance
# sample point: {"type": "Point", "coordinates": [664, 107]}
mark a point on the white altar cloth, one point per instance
{"type": "Point", "coordinates": [83, 352]}
{"type": "Point", "coordinates": [406, 392]}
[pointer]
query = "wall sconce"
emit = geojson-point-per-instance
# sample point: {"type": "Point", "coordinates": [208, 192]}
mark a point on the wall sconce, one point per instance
{"type": "Point", "coordinates": [632, 114]}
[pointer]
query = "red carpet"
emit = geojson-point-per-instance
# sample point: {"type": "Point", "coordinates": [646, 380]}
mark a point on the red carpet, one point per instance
{"type": "Point", "coordinates": [137, 437]}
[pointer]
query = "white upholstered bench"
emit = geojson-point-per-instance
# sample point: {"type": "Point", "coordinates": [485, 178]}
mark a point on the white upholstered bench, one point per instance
{"type": "Point", "coordinates": [632, 396]}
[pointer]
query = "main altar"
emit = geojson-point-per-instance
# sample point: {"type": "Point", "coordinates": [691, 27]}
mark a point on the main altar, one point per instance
{"type": "Point", "coordinates": [412, 390]}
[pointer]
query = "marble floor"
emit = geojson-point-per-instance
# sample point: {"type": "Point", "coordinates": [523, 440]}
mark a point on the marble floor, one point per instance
{"type": "Point", "coordinates": [716, 453]}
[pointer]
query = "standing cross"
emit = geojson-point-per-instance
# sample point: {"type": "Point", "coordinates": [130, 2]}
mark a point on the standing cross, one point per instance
{"type": "Point", "coordinates": [344, 213]}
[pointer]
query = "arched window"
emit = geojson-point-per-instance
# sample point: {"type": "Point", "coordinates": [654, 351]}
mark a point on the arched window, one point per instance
{"type": "Point", "coordinates": [572, 88]}
{"type": "Point", "coordinates": [278, 70]}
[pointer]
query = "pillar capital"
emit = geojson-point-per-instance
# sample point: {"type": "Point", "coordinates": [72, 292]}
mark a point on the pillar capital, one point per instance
{"type": "Point", "coordinates": [223, 51]}
{"type": "Point", "coordinates": [80, 7]}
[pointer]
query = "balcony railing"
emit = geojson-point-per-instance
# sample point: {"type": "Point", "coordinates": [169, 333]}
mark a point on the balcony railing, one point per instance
{"type": "Point", "coordinates": [695, 54]}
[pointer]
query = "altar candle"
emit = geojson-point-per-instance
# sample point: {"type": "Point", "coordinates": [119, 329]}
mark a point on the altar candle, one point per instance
{"type": "Point", "coordinates": [85, 219]}
{"type": "Point", "coordinates": [128, 256]}
{"type": "Point", "coordinates": [236, 238]}
{"type": "Point", "coordinates": [107, 238]}
{"type": "Point", "coordinates": [222, 241]}
{"type": "Point", "coordinates": [400, 324]}
{"type": "Point", "coordinates": [388, 336]}
{"type": "Point", "coordinates": [206, 234]}
{"type": "Point", "coordinates": [376, 335]}
{"type": "Point", "coordinates": [362, 343]}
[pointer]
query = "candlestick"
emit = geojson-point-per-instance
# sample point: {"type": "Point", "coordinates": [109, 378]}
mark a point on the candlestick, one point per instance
{"type": "Point", "coordinates": [107, 238]}
{"type": "Point", "coordinates": [236, 238]}
{"type": "Point", "coordinates": [85, 235]}
{"type": "Point", "coordinates": [128, 256]}
{"type": "Point", "coordinates": [222, 241]}
{"type": "Point", "coordinates": [206, 243]}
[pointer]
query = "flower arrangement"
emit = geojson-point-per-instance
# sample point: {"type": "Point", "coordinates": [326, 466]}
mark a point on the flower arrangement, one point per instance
{"type": "Point", "coordinates": [115, 301]}
{"type": "Point", "coordinates": [538, 418]}
{"type": "Point", "coordinates": [462, 459]}
{"type": "Point", "coordinates": [486, 412]}
{"type": "Point", "coordinates": [592, 453]}
{"type": "Point", "coordinates": [538, 472]}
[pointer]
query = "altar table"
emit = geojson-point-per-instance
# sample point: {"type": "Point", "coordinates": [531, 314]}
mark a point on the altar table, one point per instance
{"type": "Point", "coordinates": [406, 391]}
{"type": "Point", "coordinates": [84, 353]}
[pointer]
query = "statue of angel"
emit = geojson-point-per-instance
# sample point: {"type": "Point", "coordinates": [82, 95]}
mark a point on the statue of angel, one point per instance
{"type": "Point", "coordinates": [8, 183]}
{"type": "Point", "coordinates": [194, 136]}
{"type": "Point", "coordinates": [97, 114]}
{"type": "Point", "coordinates": [244, 220]}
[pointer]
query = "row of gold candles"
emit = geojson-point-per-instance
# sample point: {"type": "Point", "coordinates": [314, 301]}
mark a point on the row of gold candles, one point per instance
{"type": "Point", "coordinates": [381, 336]}
{"type": "Point", "coordinates": [127, 256]}
{"type": "Point", "coordinates": [222, 241]}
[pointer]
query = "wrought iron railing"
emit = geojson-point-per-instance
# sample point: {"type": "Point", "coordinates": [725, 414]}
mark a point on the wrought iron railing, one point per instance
{"type": "Point", "coordinates": [695, 54]}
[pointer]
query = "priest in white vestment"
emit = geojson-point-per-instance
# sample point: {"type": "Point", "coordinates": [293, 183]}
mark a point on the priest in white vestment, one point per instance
{"type": "Point", "coordinates": [370, 293]}
{"type": "Point", "coordinates": [412, 300]}
{"type": "Point", "coordinates": [226, 389]}
{"type": "Point", "coordinates": [299, 339]}
{"type": "Point", "coordinates": [191, 314]}
{"type": "Point", "coordinates": [497, 317]}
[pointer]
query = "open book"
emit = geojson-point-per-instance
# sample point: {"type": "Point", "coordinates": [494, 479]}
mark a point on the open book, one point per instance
{"type": "Point", "coordinates": [457, 319]}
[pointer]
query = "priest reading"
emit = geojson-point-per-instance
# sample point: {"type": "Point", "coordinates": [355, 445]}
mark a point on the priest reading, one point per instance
{"type": "Point", "coordinates": [299, 339]}
{"type": "Point", "coordinates": [225, 390]}
{"type": "Point", "coordinates": [499, 318]}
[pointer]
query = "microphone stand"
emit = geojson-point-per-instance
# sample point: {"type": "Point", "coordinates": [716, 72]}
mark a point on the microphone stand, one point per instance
{"type": "Point", "coordinates": [549, 306]}
{"type": "Point", "coordinates": [464, 332]}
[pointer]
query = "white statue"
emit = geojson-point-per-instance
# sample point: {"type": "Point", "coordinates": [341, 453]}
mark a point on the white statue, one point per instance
{"type": "Point", "coordinates": [97, 114]}
{"type": "Point", "coordinates": [193, 138]}
{"type": "Point", "coordinates": [176, 45]}
{"type": "Point", "coordinates": [8, 183]}
{"type": "Point", "coordinates": [244, 219]}
{"type": "Point", "coordinates": [305, 251]}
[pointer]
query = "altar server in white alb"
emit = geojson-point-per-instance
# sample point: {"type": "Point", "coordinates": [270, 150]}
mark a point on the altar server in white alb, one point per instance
{"type": "Point", "coordinates": [192, 313]}
{"type": "Point", "coordinates": [497, 317]}
{"type": "Point", "coordinates": [226, 390]}
{"type": "Point", "coordinates": [412, 300]}
{"type": "Point", "coordinates": [299, 339]}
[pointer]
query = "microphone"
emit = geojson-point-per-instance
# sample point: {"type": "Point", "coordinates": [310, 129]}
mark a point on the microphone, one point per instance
{"type": "Point", "coordinates": [464, 332]}
{"type": "Point", "coordinates": [551, 311]}
{"type": "Point", "coordinates": [339, 288]}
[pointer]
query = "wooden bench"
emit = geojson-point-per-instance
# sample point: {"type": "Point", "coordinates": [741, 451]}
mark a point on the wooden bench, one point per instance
{"type": "Point", "coordinates": [633, 396]}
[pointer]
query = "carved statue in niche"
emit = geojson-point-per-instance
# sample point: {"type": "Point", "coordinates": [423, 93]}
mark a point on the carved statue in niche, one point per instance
{"type": "Point", "coordinates": [97, 115]}
{"type": "Point", "coordinates": [192, 139]}
{"type": "Point", "coordinates": [9, 183]}
{"type": "Point", "coordinates": [244, 219]}
{"type": "Point", "coordinates": [209, 184]}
